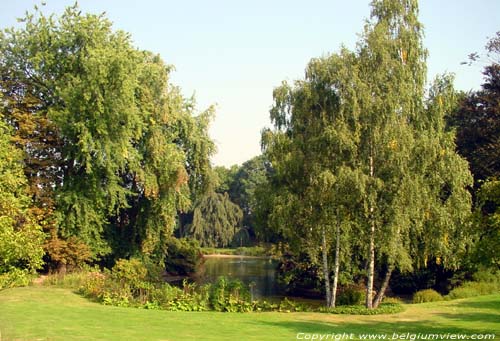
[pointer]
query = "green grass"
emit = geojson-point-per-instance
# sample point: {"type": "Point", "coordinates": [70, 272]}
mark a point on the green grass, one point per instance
{"type": "Point", "coordinates": [48, 313]}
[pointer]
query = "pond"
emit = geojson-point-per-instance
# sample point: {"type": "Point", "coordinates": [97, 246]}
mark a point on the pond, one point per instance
{"type": "Point", "coordinates": [258, 273]}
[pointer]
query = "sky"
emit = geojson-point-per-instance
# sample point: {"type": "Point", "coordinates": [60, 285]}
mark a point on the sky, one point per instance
{"type": "Point", "coordinates": [232, 53]}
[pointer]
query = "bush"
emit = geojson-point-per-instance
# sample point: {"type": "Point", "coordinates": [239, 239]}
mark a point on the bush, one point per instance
{"type": "Point", "coordinates": [487, 276]}
{"type": "Point", "coordinates": [189, 298]}
{"type": "Point", "coordinates": [117, 288]}
{"type": "Point", "coordinates": [251, 251]}
{"type": "Point", "coordinates": [427, 295]}
{"type": "Point", "coordinates": [299, 276]}
{"type": "Point", "coordinates": [393, 300]}
{"type": "Point", "coordinates": [486, 281]}
{"type": "Point", "coordinates": [471, 289]}
{"type": "Point", "coordinates": [15, 278]}
{"type": "Point", "coordinates": [184, 256]}
{"type": "Point", "coordinates": [384, 308]}
{"type": "Point", "coordinates": [73, 280]}
{"type": "Point", "coordinates": [229, 295]}
{"type": "Point", "coordinates": [94, 286]}
{"type": "Point", "coordinates": [351, 296]}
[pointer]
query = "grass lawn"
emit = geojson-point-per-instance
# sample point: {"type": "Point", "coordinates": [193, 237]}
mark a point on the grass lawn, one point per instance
{"type": "Point", "coordinates": [47, 313]}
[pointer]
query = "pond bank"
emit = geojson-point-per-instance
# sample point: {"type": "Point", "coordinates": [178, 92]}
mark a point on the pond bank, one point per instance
{"type": "Point", "coordinates": [219, 255]}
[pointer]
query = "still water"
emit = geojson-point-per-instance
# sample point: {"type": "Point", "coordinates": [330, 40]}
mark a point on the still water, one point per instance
{"type": "Point", "coordinates": [258, 273]}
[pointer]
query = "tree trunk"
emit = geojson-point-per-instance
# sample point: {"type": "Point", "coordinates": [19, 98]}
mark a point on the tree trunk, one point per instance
{"type": "Point", "coordinates": [371, 250]}
{"type": "Point", "coordinates": [336, 268]}
{"type": "Point", "coordinates": [326, 272]}
{"type": "Point", "coordinates": [371, 267]}
{"type": "Point", "coordinates": [383, 288]}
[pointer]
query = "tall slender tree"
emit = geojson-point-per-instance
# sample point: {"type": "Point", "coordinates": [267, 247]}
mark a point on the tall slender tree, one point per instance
{"type": "Point", "coordinates": [361, 120]}
{"type": "Point", "coordinates": [311, 150]}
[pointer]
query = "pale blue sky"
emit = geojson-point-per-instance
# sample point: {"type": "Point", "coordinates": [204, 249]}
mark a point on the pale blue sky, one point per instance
{"type": "Point", "coordinates": [233, 53]}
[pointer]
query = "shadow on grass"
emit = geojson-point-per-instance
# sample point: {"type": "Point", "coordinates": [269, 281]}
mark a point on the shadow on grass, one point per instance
{"type": "Point", "coordinates": [494, 304]}
{"type": "Point", "coordinates": [473, 317]}
{"type": "Point", "coordinates": [372, 327]}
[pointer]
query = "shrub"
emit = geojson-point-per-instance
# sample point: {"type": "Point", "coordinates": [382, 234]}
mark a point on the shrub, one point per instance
{"type": "Point", "coordinates": [117, 288]}
{"type": "Point", "coordinates": [299, 276]}
{"type": "Point", "coordinates": [384, 308]}
{"type": "Point", "coordinates": [487, 276]}
{"type": "Point", "coordinates": [251, 251]}
{"type": "Point", "coordinates": [471, 289]}
{"type": "Point", "coordinates": [67, 254]}
{"type": "Point", "coordinates": [184, 256]}
{"type": "Point", "coordinates": [71, 280]}
{"type": "Point", "coordinates": [15, 278]}
{"type": "Point", "coordinates": [351, 296]}
{"type": "Point", "coordinates": [393, 300]}
{"type": "Point", "coordinates": [229, 295]}
{"type": "Point", "coordinates": [427, 295]}
{"type": "Point", "coordinates": [94, 286]}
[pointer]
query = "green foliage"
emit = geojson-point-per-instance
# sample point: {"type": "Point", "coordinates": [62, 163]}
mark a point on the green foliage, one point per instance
{"type": "Point", "coordinates": [15, 278]}
{"type": "Point", "coordinates": [119, 288]}
{"type": "Point", "coordinates": [487, 275]}
{"type": "Point", "coordinates": [384, 308]}
{"type": "Point", "coordinates": [245, 186]}
{"type": "Point", "coordinates": [21, 238]}
{"type": "Point", "coordinates": [298, 275]}
{"type": "Point", "coordinates": [70, 280]}
{"type": "Point", "coordinates": [395, 300]}
{"type": "Point", "coordinates": [183, 256]}
{"type": "Point", "coordinates": [485, 281]}
{"type": "Point", "coordinates": [250, 178]}
{"type": "Point", "coordinates": [130, 272]}
{"type": "Point", "coordinates": [477, 121]}
{"type": "Point", "coordinates": [229, 295]}
{"type": "Point", "coordinates": [241, 237]}
{"type": "Point", "coordinates": [486, 223]}
{"type": "Point", "coordinates": [122, 151]}
{"type": "Point", "coordinates": [472, 289]}
{"type": "Point", "coordinates": [360, 154]}
{"type": "Point", "coordinates": [427, 295]}
{"type": "Point", "coordinates": [225, 178]}
{"type": "Point", "coordinates": [252, 251]}
{"type": "Point", "coordinates": [351, 296]}
{"type": "Point", "coordinates": [215, 220]}
{"type": "Point", "coordinates": [67, 254]}
{"type": "Point", "coordinates": [259, 251]}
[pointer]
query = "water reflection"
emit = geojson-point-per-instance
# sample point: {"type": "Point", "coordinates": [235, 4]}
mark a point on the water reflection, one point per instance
{"type": "Point", "coordinates": [259, 273]}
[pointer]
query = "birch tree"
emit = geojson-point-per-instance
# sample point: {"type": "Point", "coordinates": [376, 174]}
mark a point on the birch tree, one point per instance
{"type": "Point", "coordinates": [360, 136]}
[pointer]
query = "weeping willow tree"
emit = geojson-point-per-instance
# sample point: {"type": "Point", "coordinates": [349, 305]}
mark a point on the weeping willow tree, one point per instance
{"type": "Point", "coordinates": [216, 220]}
{"type": "Point", "coordinates": [128, 150]}
{"type": "Point", "coordinates": [359, 142]}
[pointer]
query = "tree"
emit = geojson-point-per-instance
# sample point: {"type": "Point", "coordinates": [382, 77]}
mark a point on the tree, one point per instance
{"type": "Point", "coordinates": [250, 176]}
{"type": "Point", "coordinates": [487, 225]}
{"type": "Point", "coordinates": [225, 178]}
{"type": "Point", "coordinates": [215, 220]}
{"type": "Point", "coordinates": [21, 238]}
{"type": "Point", "coordinates": [477, 121]}
{"type": "Point", "coordinates": [310, 152]}
{"type": "Point", "coordinates": [123, 152]}
{"type": "Point", "coordinates": [387, 143]}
